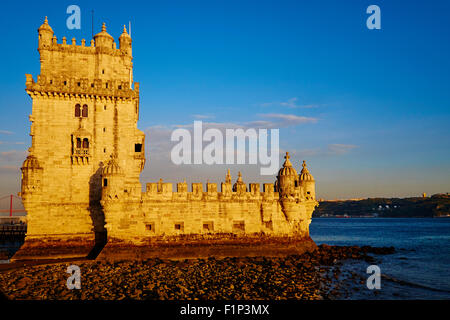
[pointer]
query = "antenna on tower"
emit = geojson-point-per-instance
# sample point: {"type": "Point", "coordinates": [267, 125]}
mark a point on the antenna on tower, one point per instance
{"type": "Point", "coordinates": [92, 25]}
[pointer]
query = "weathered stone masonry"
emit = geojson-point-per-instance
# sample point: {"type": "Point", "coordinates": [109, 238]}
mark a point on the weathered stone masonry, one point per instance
{"type": "Point", "coordinates": [80, 180]}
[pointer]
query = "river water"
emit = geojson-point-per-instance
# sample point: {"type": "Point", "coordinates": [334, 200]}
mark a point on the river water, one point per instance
{"type": "Point", "coordinates": [418, 270]}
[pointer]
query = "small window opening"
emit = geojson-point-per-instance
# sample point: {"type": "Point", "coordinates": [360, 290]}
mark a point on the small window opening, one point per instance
{"type": "Point", "coordinates": [77, 110]}
{"type": "Point", "coordinates": [105, 182]}
{"type": "Point", "coordinates": [138, 147]}
{"type": "Point", "coordinates": [208, 226]}
{"type": "Point", "coordinates": [85, 111]}
{"type": "Point", "coordinates": [179, 226]}
{"type": "Point", "coordinates": [150, 227]}
{"type": "Point", "coordinates": [85, 143]}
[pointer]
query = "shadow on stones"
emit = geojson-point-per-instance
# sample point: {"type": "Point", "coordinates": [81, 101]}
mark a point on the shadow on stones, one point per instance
{"type": "Point", "coordinates": [96, 212]}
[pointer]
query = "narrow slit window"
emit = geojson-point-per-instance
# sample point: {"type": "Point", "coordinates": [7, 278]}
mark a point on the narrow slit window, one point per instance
{"type": "Point", "coordinates": [138, 147]}
{"type": "Point", "coordinates": [150, 227]}
{"type": "Point", "coordinates": [179, 226]}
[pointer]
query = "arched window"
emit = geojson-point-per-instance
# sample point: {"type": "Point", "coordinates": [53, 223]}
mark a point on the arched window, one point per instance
{"type": "Point", "coordinates": [85, 143]}
{"type": "Point", "coordinates": [77, 110]}
{"type": "Point", "coordinates": [78, 143]}
{"type": "Point", "coordinates": [85, 111]}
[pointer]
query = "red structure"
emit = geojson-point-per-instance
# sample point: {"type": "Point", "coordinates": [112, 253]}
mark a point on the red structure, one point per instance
{"type": "Point", "coordinates": [10, 209]}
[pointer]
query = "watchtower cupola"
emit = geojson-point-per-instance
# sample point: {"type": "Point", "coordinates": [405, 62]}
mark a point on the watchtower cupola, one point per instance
{"type": "Point", "coordinates": [287, 178]}
{"type": "Point", "coordinates": [307, 182]}
{"type": "Point", "coordinates": [125, 42]}
{"type": "Point", "coordinates": [103, 39]}
{"type": "Point", "coordinates": [45, 35]}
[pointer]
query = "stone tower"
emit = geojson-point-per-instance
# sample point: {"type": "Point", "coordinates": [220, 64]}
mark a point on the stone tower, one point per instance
{"type": "Point", "coordinates": [84, 116]}
{"type": "Point", "coordinates": [80, 180]}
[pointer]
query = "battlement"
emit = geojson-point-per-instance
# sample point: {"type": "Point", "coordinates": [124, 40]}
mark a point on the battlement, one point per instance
{"type": "Point", "coordinates": [82, 48]}
{"type": "Point", "coordinates": [101, 43]}
{"type": "Point", "coordinates": [101, 59]}
{"type": "Point", "coordinates": [164, 191]}
{"type": "Point", "coordinates": [76, 86]}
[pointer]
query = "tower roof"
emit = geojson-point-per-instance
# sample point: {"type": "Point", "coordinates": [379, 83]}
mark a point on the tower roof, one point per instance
{"type": "Point", "coordinates": [31, 162]}
{"type": "Point", "coordinates": [228, 177]}
{"type": "Point", "coordinates": [112, 167]}
{"type": "Point", "coordinates": [124, 33]}
{"type": "Point", "coordinates": [238, 182]}
{"type": "Point", "coordinates": [287, 169]}
{"type": "Point", "coordinates": [103, 33]}
{"type": "Point", "coordinates": [45, 26]}
{"type": "Point", "coordinates": [304, 174]}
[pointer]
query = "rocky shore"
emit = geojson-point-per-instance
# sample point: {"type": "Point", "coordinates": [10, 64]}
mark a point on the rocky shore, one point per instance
{"type": "Point", "coordinates": [309, 276]}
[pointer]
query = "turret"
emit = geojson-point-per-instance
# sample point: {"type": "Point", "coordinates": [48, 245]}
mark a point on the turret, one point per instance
{"type": "Point", "coordinates": [125, 42]}
{"type": "Point", "coordinates": [45, 35]}
{"type": "Point", "coordinates": [287, 179]}
{"type": "Point", "coordinates": [112, 180]}
{"type": "Point", "coordinates": [239, 186]}
{"type": "Point", "coordinates": [31, 176]}
{"type": "Point", "coordinates": [228, 177]}
{"type": "Point", "coordinates": [307, 183]}
{"type": "Point", "coordinates": [103, 39]}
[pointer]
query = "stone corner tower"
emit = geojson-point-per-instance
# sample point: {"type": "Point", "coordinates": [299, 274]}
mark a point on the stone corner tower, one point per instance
{"type": "Point", "coordinates": [85, 109]}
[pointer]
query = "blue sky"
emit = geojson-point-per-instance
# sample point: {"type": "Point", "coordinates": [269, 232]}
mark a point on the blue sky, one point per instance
{"type": "Point", "coordinates": [367, 109]}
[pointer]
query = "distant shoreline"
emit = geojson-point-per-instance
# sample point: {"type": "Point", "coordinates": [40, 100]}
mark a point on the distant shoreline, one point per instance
{"type": "Point", "coordinates": [424, 207]}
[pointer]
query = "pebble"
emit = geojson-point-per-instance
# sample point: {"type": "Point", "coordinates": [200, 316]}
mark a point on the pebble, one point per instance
{"type": "Point", "coordinates": [251, 278]}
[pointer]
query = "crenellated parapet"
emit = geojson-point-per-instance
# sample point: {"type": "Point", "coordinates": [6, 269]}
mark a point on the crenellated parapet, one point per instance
{"type": "Point", "coordinates": [102, 43]}
{"type": "Point", "coordinates": [279, 209]}
{"type": "Point", "coordinates": [60, 86]}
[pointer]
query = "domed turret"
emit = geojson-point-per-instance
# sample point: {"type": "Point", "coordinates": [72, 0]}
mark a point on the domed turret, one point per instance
{"type": "Point", "coordinates": [307, 182]}
{"type": "Point", "coordinates": [304, 174]}
{"type": "Point", "coordinates": [103, 39]}
{"type": "Point", "coordinates": [31, 176]}
{"type": "Point", "coordinates": [45, 34]}
{"type": "Point", "coordinates": [31, 162]}
{"type": "Point", "coordinates": [112, 180]}
{"type": "Point", "coordinates": [125, 41]}
{"type": "Point", "coordinates": [239, 185]}
{"type": "Point", "coordinates": [112, 168]}
{"type": "Point", "coordinates": [287, 178]}
{"type": "Point", "coordinates": [228, 177]}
